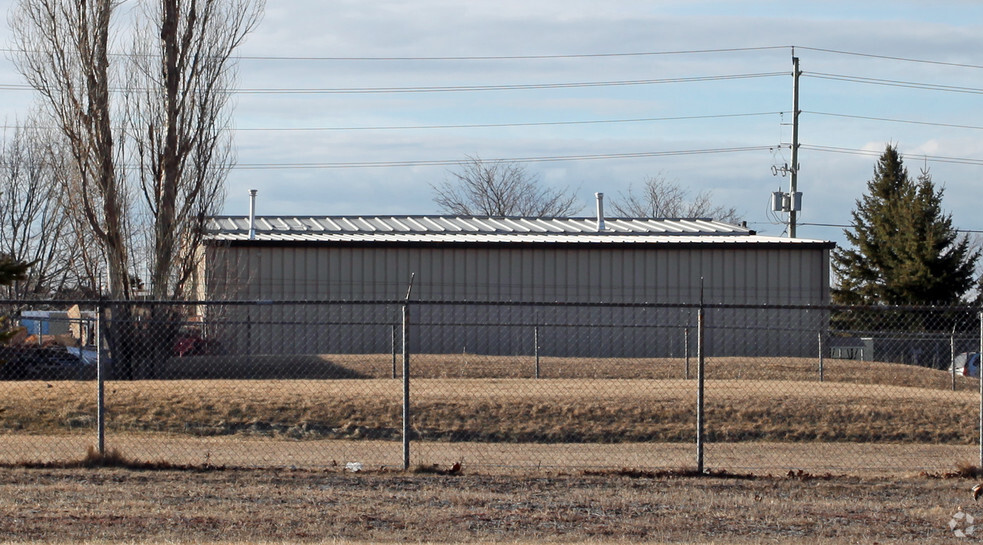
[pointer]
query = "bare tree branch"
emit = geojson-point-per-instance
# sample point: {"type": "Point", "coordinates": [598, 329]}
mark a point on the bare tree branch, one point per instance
{"type": "Point", "coordinates": [500, 188]}
{"type": "Point", "coordinates": [65, 56]}
{"type": "Point", "coordinates": [33, 226]}
{"type": "Point", "coordinates": [174, 111]}
{"type": "Point", "coordinates": [660, 198]}
{"type": "Point", "coordinates": [178, 120]}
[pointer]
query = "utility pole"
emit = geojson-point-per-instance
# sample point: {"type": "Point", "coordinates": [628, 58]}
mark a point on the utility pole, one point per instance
{"type": "Point", "coordinates": [790, 203]}
{"type": "Point", "coordinates": [794, 177]}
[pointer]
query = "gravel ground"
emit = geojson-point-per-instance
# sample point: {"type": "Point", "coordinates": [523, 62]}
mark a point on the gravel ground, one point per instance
{"type": "Point", "coordinates": [262, 506]}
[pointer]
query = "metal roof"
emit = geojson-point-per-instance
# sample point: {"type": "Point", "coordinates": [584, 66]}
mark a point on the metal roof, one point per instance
{"type": "Point", "coordinates": [477, 229]}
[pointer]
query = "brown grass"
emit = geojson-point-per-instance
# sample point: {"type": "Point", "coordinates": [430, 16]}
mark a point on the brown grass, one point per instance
{"type": "Point", "coordinates": [883, 418]}
{"type": "Point", "coordinates": [746, 400]}
{"type": "Point", "coordinates": [291, 506]}
{"type": "Point", "coordinates": [336, 366]}
{"type": "Point", "coordinates": [180, 451]}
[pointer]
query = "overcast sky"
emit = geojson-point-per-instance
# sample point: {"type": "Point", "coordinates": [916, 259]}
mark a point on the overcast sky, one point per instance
{"type": "Point", "coordinates": [692, 77]}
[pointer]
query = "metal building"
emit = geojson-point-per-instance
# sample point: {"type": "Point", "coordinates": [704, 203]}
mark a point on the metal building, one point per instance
{"type": "Point", "coordinates": [485, 259]}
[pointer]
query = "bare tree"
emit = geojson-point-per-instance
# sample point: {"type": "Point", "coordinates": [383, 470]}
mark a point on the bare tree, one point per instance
{"type": "Point", "coordinates": [175, 115]}
{"type": "Point", "coordinates": [64, 54]}
{"type": "Point", "coordinates": [660, 198]}
{"type": "Point", "coordinates": [501, 188]}
{"type": "Point", "coordinates": [34, 174]}
{"type": "Point", "coordinates": [178, 119]}
{"type": "Point", "coordinates": [86, 275]}
{"type": "Point", "coordinates": [172, 119]}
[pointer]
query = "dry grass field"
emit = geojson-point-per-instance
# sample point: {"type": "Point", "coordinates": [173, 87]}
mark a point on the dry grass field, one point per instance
{"type": "Point", "coordinates": [503, 410]}
{"type": "Point", "coordinates": [541, 458]}
{"type": "Point", "coordinates": [106, 505]}
{"type": "Point", "coordinates": [340, 366]}
{"type": "Point", "coordinates": [487, 399]}
{"type": "Point", "coordinates": [760, 414]}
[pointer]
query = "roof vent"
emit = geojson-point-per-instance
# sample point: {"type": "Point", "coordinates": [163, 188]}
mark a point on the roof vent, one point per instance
{"type": "Point", "coordinates": [252, 214]}
{"type": "Point", "coordinates": [600, 211]}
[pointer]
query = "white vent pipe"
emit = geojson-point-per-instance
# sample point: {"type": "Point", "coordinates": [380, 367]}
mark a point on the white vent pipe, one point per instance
{"type": "Point", "coordinates": [252, 214]}
{"type": "Point", "coordinates": [600, 211]}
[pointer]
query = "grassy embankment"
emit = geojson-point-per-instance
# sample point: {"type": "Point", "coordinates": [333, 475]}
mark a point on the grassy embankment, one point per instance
{"type": "Point", "coordinates": [488, 399]}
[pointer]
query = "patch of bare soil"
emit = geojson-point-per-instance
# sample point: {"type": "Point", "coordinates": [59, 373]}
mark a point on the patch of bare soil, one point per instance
{"type": "Point", "coordinates": [448, 505]}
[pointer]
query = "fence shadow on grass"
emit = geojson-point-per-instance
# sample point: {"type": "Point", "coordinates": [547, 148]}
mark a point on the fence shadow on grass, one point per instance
{"type": "Point", "coordinates": [266, 367]}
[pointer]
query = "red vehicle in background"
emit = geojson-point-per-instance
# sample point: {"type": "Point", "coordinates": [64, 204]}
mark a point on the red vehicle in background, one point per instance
{"type": "Point", "coordinates": [191, 343]}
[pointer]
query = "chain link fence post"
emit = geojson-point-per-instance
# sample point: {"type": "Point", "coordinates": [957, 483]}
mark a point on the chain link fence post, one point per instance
{"type": "Point", "coordinates": [700, 377]}
{"type": "Point", "coordinates": [406, 376]}
{"type": "Point", "coordinates": [535, 336]}
{"type": "Point", "coordinates": [100, 387]}
{"type": "Point", "coordinates": [980, 366]}
{"type": "Point", "coordinates": [406, 386]}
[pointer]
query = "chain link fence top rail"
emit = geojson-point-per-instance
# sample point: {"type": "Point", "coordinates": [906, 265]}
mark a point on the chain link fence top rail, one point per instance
{"type": "Point", "coordinates": [495, 385]}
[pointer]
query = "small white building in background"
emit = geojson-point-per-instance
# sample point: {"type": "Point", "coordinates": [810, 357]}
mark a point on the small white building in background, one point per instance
{"type": "Point", "coordinates": [527, 260]}
{"type": "Point", "coordinates": [75, 322]}
{"type": "Point", "coordinates": [45, 322]}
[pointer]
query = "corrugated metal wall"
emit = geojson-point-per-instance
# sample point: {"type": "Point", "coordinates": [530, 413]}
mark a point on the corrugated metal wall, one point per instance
{"type": "Point", "coordinates": [790, 275]}
{"type": "Point", "coordinates": [743, 274]}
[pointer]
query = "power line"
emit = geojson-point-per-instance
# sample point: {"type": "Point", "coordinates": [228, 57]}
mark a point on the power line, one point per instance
{"type": "Point", "coordinates": [891, 58]}
{"type": "Point", "coordinates": [476, 57]}
{"type": "Point", "coordinates": [846, 226]}
{"type": "Point", "coordinates": [605, 55]}
{"type": "Point", "coordinates": [519, 57]}
{"type": "Point", "coordinates": [828, 149]}
{"type": "Point", "coordinates": [409, 58]}
{"type": "Point", "coordinates": [890, 120]}
{"type": "Point", "coordinates": [464, 88]}
{"type": "Point", "coordinates": [561, 123]}
{"type": "Point", "coordinates": [455, 162]}
{"type": "Point", "coordinates": [469, 125]}
{"type": "Point", "coordinates": [533, 159]}
{"type": "Point", "coordinates": [429, 89]}
{"type": "Point", "coordinates": [507, 87]}
{"type": "Point", "coordinates": [895, 83]}
{"type": "Point", "coordinates": [517, 124]}
{"type": "Point", "coordinates": [294, 58]}
{"type": "Point", "coordinates": [875, 153]}
{"type": "Point", "coordinates": [824, 224]}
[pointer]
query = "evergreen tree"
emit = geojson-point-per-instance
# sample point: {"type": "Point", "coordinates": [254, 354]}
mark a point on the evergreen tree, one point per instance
{"type": "Point", "coordinates": [904, 249]}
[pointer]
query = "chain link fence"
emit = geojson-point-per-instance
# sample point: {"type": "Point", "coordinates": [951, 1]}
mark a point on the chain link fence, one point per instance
{"type": "Point", "coordinates": [497, 386]}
